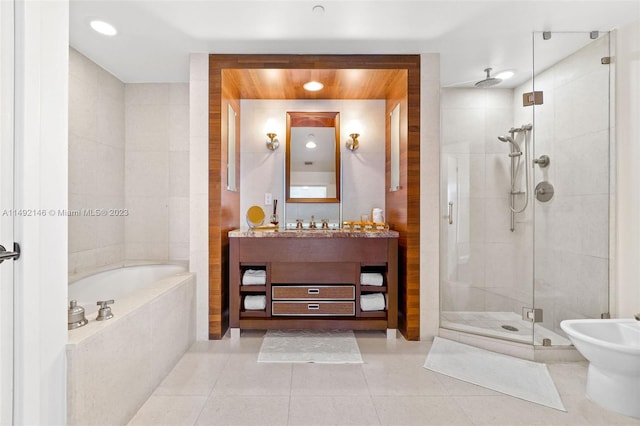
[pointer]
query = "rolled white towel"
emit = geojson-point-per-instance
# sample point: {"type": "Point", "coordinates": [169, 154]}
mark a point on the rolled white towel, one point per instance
{"type": "Point", "coordinates": [254, 277]}
{"type": "Point", "coordinates": [371, 278]}
{"type": "Point", "coordinates": [257, 302]}
{"type": "Point", "coordinates": [372, 302]}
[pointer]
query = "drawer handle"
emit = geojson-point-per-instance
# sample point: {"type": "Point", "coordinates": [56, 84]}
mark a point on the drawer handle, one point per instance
{"type": "Point", "coordinates": [313, 291]}
{"type": "Point", "coordinates": [313, 306]}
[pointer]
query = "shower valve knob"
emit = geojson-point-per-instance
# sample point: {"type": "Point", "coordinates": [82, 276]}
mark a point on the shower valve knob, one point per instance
{"type": "Point", "coordinates": [543, 161]}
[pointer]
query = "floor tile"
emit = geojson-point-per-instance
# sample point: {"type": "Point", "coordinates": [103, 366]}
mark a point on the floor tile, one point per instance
{"type": "Point", "coordinates": [509, 411]}
{"type": "Point", "coordinates": [195, 374]}
{"type": "Point", "coordinates": [328, 379]}
{"type": "Point", "coordinates": [245, 410]}
{"type": "Point", "coordinates": [220, 382]}
{"type": "Point", "coordinates": [169, 411]}
{"type": "Point", "coordinates": [243, 375]}
{"type": "Point", "coordinates": [332, 410]}
{"type": "Point", "coordinates": [401, 375]}
{"type": "Point", "coordinates": [419, 411]}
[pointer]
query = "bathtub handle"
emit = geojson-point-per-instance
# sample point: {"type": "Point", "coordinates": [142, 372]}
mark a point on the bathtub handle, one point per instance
{"type": "Point", "coordinates": [104, 313]}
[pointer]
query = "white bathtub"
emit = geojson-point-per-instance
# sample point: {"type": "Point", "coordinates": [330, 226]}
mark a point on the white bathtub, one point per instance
{"type": "Point", "coordinates": [113, 366]}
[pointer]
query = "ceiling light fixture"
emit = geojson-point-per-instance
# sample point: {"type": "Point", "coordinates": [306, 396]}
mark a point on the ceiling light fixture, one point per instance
{"type": "Point", "coordinates": [318, 9]}
{"type": "Point", "coordinates": [504, 75]}
{"type": "Point", "coordinates": [313, 86]}
{"type": "Point", "coordinates": [103, 28]}
{"type": "Point", "coordinates": [310, 143]}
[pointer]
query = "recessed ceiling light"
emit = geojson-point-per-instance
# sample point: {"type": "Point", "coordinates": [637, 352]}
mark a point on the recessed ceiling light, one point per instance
{"type": "Point", "coordinates": [505, 75]}
{"type": "Point", "coordinates": [313, 86]}
{"type": "Point", "coordinates": [311, 144]}
{"type": "Point", "coordinates": [103, 28]}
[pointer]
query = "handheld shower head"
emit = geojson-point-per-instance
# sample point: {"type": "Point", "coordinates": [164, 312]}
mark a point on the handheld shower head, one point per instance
{"type": "Point", "coordinates": [514, 146]}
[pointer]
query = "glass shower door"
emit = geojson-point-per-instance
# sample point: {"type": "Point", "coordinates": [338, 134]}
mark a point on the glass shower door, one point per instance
{"type": "Point", "coordinates": [572, 128]}
{"type": "Point", "coordinates": [487, 261]}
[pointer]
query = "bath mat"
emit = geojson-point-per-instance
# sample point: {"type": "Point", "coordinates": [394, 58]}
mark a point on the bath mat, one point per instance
{"type": "Point", "coordinates": [517, 377]}
{"type": "Point", "coordinates": [319, 346]}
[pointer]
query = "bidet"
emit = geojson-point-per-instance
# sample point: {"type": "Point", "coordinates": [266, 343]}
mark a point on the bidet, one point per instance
{"type": "Point", "coordinates": [612, 347]}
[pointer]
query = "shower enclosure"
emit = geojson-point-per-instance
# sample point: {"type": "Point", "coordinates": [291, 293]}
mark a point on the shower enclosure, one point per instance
{"type": "Point", "coordinates": [525, 188]}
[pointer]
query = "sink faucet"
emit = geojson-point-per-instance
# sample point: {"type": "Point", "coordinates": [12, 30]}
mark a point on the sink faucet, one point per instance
{"type": "Point", "coordinates": [325, 224]}
{"type": "Point", "coordinates": [298, 223]}
{"type": "Point", "coordinates": [312, 223]}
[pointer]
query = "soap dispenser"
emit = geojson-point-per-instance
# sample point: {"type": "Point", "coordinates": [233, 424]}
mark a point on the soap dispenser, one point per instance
{"type": "Point", "coordinates": [75, 316]}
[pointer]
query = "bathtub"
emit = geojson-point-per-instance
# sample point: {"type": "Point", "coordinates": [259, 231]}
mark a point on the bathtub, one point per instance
{"type": "Point", "coordinates": [113, 366]}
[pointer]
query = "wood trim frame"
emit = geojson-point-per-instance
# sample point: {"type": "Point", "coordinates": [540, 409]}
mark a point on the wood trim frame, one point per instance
{"type": "Point", "coordinates": [402, 207]}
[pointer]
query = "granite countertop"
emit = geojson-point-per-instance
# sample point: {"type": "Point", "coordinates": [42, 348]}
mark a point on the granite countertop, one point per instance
{"type": "Point", "coordinates": [307, 233]}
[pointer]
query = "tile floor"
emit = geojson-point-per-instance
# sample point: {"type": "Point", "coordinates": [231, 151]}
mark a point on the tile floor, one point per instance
{"type": "Point", "coordinates": [221, 383]}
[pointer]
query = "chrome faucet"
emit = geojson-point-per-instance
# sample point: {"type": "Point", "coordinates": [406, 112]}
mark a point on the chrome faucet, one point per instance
{"type": "Point", "coordinates": [298, 223]}
{"type": "Point", "coordinates": [312, 223]}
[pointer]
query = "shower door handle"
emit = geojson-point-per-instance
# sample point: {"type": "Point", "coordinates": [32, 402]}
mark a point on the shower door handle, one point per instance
{"type": "Point", "coordinates": [450, 213]}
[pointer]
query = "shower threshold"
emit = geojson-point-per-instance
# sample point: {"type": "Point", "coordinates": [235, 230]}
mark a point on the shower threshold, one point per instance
{"type": "Point", "coordinates": [503, 325]}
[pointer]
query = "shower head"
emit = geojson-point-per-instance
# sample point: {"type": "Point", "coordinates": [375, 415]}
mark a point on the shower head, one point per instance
{"type": "Point", "coordinates": [513, 144]}
{"type": "Point", "coordinates": [488, 81]}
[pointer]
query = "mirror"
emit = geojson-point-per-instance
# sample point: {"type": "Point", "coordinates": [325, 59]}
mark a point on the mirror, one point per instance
{"type": "Point", "coordinates": [313, 157]}
{"type": "Point", "coordinates": [231, 149]}
{"type": "Point", "coordinates": [395, 149]}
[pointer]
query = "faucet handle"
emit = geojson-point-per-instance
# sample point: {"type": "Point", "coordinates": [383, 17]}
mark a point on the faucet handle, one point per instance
{"type": "Point", "coordinates": [325, 224]}
{"type": "Point", "coordinates": [298, 223]}
{"type": "Point", "coordinates": [103, 303]}
{"type": "Point", "coordinates": [104, 313]}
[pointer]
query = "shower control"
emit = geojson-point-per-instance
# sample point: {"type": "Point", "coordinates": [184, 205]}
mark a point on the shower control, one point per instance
{"type": "Point", "coordinates": [544, 191]}
{"type": "Point", "coordinates": [543, 161]}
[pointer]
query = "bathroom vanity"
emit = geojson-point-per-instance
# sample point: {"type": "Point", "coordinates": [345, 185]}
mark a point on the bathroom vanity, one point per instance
{"type": "Point", "coordinates": [313, 279]}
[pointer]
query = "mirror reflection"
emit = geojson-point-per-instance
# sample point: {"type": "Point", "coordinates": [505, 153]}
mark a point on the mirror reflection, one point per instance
{"type": "Point", "coordinates": [231, 149]}
{"type": "Point", "coordinates": [313, 157]}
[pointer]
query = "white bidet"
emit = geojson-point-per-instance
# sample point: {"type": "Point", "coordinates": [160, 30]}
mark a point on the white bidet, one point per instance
{"type": "Point", "coordinates": [612, 347]}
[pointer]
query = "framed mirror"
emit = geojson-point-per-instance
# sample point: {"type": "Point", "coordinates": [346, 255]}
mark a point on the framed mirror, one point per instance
{"type": "Point", "coordinates": [231, 149]}
{"type": "Point", "coordinates": [313, 157]}
{"type": "Point", "coordinates": [395, 149]}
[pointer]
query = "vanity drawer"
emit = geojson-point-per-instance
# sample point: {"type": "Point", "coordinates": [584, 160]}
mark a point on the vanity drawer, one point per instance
{"type": "Point", "coordinates": [314, 272]}
{"type": "Point", "coordinates": [301, 308]}
{"type": "Point", "coordinates": [318, 292]}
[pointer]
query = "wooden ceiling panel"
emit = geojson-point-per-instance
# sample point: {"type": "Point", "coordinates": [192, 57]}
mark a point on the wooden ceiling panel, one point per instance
{"type": "Point", "coordinates": [273, 83]}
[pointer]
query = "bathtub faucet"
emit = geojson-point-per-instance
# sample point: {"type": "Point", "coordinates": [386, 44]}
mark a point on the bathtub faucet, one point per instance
{"type": "Point", "coordinates": [104, 313]}
{"type": "Point", "coordinates": [637, 316]}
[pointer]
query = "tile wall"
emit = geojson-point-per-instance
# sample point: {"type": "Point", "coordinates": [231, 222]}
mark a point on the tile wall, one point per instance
{"type": "Point", "coordinates": [486, 267]}
{"type": "Point", "coordinates": [96, 164]}
{"type": "Point", "coordinates": [157, 171]}
{"type": "Point", "coordinates": [128, 149]}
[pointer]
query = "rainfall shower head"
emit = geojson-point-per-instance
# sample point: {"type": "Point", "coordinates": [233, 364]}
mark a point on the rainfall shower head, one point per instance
{"type": "Point", "coordinates": [489, 81]}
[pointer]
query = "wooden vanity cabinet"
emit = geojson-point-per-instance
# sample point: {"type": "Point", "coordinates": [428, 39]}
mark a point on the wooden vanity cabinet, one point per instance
{"type": "Point", "coordinates": [312, 282]}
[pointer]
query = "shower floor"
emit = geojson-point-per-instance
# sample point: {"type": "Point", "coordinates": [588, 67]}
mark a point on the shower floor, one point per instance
{"type": "Point", "coordinates": [491, 324]}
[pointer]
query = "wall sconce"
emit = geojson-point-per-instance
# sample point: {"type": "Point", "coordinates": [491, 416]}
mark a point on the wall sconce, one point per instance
{"type": "Point", "coordinates": [353, 143]}
{"type": "Point", "coordinates": [272, 142]}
